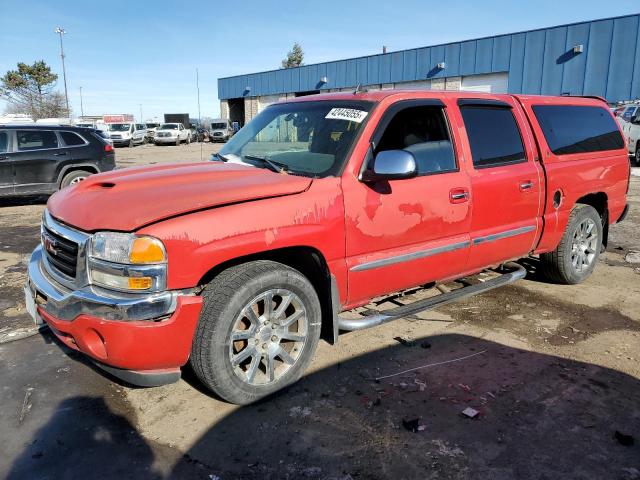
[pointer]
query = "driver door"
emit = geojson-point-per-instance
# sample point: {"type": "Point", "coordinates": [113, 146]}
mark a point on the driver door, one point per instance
{"type": "Point", "coordinates": [405, 233]}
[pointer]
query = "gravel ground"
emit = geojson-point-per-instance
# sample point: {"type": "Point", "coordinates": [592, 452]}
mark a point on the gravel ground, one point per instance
{"type": "Point", "coordinates": [552, 370]}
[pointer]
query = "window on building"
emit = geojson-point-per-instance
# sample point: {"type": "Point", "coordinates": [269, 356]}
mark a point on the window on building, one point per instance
{"type": "Point", "coordinates": [4, 142]}
{"type": "Point", "coordinates": [36, 139]}
{"type": "Point", "coordinates": [422, 131]}
{"type": "Point", "coordinates": [493, 135]}
{"type": "Point", "coordinates": [578, 129]}
{"type": "Point", "coordinates": [71, 139]}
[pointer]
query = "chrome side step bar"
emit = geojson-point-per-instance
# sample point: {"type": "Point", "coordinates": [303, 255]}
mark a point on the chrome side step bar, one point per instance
{"type": "Point", "coordinates": [516, 272]}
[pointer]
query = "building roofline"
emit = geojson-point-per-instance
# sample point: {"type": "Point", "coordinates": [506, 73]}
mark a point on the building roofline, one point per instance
{"type": "Point", "coordinates": [436, 45]}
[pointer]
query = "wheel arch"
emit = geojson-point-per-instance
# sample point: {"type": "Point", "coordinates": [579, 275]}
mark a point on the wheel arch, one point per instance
{"type": "Point", "coordinates": [73, 167]}
{"type": "Point", "coordinates": [600, 202]}
{"type": "Point", "coordinates": [307, 260]}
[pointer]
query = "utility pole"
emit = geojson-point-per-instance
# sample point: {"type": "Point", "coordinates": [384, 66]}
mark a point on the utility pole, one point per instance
{"type": "Point", "coordinates": [140, 105]}
{"type": "Point", "coordinates": [81, 107]}
{"type": "Point", "coordinates": [198, 88]}
{"type": "Point", "coordinates": [61, 31]}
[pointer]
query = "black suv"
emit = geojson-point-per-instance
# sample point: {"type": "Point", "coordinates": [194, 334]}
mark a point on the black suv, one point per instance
{"type": "Point", "coordinates": [37, 159]}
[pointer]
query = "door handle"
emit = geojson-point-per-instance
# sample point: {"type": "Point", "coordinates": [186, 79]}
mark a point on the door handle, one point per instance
{"type": "Point", "coordinates": [526, 185]}
{"type": "Point", "coordinates": [458, 195]}
{"type": "Point", "coordinates": [60, 154]}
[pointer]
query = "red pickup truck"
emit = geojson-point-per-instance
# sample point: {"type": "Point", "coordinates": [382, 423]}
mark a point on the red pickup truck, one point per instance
{"type": "Point", "coordinates": [318, 205]}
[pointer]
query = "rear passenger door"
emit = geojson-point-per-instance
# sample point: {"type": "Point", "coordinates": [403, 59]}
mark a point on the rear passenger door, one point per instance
{"type": "Point", "coordinates": [36, 157]}
{"type": "Point", "coordinates": [506, 181]}
{"type": "Point", "coordinates": [6, 163]}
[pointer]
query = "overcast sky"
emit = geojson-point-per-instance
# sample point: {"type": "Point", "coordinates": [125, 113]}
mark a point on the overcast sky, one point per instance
{"type": "Point", "coordinates": [127, 53]}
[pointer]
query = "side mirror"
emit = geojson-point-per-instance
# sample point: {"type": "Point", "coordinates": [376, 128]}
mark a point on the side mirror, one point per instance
{"type": "Point", "coordinates": [391, 165]}
{"type": "Point", "coordinates": [635, 119]}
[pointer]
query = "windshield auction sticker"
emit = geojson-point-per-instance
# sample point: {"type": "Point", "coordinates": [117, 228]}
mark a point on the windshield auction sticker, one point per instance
{"type": "Point", "coordinates": [350, 114]}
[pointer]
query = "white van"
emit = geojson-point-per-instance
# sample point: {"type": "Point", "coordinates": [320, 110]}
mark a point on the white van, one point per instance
{"type": "Point", "coordinates": [221, 130]}
{"type": "Point", "coordinates": [127, 134]}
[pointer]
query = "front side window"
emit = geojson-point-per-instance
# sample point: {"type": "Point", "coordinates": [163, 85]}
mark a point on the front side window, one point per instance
{"type": "Point", "coordinates": [36, 139]}
{"type": "Point", "coordinates": [578, 129]}
{"type": "Point", "coordinates": [4, 142]}
{"type": "Point", "coordinates": [306, 138]}
{"type": "Point", "coordinates": [422, 131]}
{"type": "Point", "coordinates": [493, 135]}
{"type": "Point", "coordinates": [71, 139]}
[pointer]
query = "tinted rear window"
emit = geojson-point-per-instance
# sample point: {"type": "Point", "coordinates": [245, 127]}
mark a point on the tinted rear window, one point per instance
{"type": "Point", "coordinates": [71, 139]}
{"type": "Point", "coordinates": [494, 136]}
{"type": "Point", "coordinates": [578, 129]}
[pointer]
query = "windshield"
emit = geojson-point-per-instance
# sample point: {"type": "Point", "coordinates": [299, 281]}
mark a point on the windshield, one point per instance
{"type": "Point", "coordinates": [169, 126]}
{"type": "Point", "coordinates": [308, 138]}
{"type": "Point", "coordinates": [152, 125]}
{"type": "Point", "coordinates": [119, 127]}
{"type": "Point", "coordinates": [218, 126]}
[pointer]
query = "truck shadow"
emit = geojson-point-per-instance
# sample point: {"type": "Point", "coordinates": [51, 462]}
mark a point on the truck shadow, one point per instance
{"type": "Point", "coordinates": [539, 416]}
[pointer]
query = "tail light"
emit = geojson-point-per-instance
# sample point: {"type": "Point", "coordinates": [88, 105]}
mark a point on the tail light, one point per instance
{"type": "Point", "coordinates": [108, 148]}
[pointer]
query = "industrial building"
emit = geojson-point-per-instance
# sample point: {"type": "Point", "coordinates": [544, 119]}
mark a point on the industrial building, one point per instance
{"type": "Point", "coordinates": [600, 57]}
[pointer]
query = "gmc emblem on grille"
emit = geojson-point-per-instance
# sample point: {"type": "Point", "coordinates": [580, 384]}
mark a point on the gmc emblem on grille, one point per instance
{"type": "Point", "coordinates": [49, 243]}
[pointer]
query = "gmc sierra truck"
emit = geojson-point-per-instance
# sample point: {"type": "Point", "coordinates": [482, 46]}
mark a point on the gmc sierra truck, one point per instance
{"type": "Point", "coordinates": [317, 206]}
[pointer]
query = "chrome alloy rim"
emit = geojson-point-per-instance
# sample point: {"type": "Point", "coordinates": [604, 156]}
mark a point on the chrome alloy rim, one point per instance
{"type": "Point", "coordinates": [585, 243]}
{"type": "Point", "coordinates": [268, 337]}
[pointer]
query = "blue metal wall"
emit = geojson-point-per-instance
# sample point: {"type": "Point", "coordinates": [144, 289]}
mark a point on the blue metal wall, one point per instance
{"type": "Point", "coordinates": [538, 62]}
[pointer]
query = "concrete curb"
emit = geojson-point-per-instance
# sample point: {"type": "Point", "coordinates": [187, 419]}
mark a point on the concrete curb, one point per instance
{"type": "Point", "coordinates": [21, 333]}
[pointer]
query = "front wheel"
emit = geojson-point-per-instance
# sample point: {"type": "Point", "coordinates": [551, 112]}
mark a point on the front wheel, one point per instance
{"type": "Point", "coordinates": [188, 139]}
{"type": "Point", "coordinates": [636, 156]}
{"type": "Point", "coordinates": [178, 141]}
{"type": "Point", "coordinates": [258, 330]}
{"type": "Point", "coordinates": [576, 256]}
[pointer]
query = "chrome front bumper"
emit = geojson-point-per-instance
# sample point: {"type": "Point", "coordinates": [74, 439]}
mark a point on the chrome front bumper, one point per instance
{"type": "Point", "coordinates": [66, 304]}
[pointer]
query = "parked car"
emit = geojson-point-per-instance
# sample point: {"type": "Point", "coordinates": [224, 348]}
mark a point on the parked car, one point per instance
{"type": "Point", "coordinates": [172, 133]}
{"type": "Point", "coordinates": [631, 131]}
{"type": "Point", "coordinates": [221, 130]}
{"type": "Point", "coordinates": [317, 206]}
{"type": "Point", "coordinates": [43, 159]}
{"type": "Point", "coordinates": [151, 131]}
{"type": "Point", "coordinates": [127, 134]}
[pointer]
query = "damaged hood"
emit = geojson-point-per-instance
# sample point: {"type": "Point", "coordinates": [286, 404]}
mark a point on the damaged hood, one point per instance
{"type": "Point", "coordinates": [125, 200]}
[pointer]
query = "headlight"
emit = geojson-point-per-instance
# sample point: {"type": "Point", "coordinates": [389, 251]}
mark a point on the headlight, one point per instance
{"type": "Point", "coordinates": [124, 261]}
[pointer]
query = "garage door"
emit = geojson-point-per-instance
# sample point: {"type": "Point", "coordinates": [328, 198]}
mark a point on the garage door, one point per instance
{"type": "Point", "coordinates": [489, 83]}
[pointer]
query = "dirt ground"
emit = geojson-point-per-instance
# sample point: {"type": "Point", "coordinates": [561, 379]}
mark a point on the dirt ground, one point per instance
{"type": "Point", "coordinates": [553, 372]}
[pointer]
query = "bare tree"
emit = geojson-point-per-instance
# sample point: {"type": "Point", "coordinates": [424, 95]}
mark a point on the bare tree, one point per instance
{"type": "Point", "coordinates": [294, 58]}
{"type": "Point", "coordinates": [30, 90]}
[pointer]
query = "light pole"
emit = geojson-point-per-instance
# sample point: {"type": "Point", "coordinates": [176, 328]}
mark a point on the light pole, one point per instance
{"type": "Point", "coordinates": [61, 31]}
{"type": "Point", "coordinates": [140, 105]}
{"type": "Point", "coordinates": [81, 107]}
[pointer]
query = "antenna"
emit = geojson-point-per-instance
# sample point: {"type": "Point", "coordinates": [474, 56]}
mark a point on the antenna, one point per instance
{"type": "Point", "coordinates": [359, 89]}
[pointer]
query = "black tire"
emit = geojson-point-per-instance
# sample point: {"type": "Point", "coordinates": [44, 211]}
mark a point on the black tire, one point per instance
{"type": "Point", "coordinates": [188, 139]}
{"type": "Point", "coordinates": [225, 300]}
{"type": "Point", "coordinates": [178, 141]}
{"type": "Point", "coordinates": [130, 144]}
{"type": "Point", "coordinates": [558, 266]}
{"type": "Point", "coordinates": [636, 156]}
{"type": "Point", "coordinates": [74, 177]}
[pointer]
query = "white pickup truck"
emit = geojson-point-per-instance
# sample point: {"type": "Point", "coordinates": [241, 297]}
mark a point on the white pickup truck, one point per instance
{"type": "Point", "coordinates": [173, 133]}
{"type": "Point", "coordinates": [630, 123]}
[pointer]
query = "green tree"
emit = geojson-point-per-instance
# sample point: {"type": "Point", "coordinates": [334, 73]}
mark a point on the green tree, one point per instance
{"type": "Point", "coordinates": [30, 89]}
{"type": "Point", "coordinates": [294, 57]}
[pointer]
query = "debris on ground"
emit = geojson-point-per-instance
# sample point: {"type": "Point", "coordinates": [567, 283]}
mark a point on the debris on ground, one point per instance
{"type": "Point", "coordinates": [632, 257]}
{"type": "Point", "coordinates": [624, 439]}
{"type": "Point", "coordinates": [470, 412]}
{"type": "Point", "coordinates": [299, 412]}
{"type": "Point", "coordinates": [26, 405]}
{"type": "Point", "coordinates": [430, 365]}
{"type": "Point", "coordinates": [413, 425]}
{"type": "Point", "coordinates": [405, 342]}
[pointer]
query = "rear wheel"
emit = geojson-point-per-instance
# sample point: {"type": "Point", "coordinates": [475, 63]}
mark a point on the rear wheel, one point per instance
{"type": "Point", "coordinates": [257, 332]}
{"type": "Point", "coordinates": [130, 144]}
{"type": "Point", "coordinates": [576, 256]}
{"type": "Point", "coordinates": [74, 177]}
{"type": "Point", "coordinates": [636, 157]}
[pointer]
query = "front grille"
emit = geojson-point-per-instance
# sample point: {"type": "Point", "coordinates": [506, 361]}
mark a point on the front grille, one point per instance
{"type": "Point", "coordinates": [217, 134]}
{"type": "Point", "coordinates": [61, 253]}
